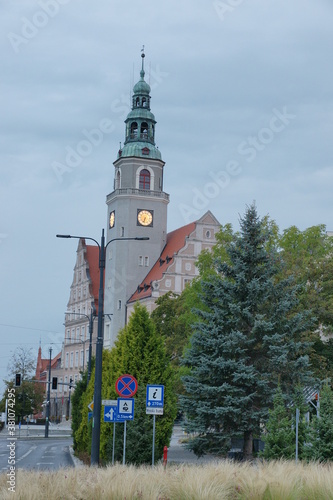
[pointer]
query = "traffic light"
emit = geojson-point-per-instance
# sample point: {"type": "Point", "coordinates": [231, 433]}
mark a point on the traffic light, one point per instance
{"type": "Point", "coordinates": [17, 380]}
{"type": "Point", "coordinates": [54, 383]}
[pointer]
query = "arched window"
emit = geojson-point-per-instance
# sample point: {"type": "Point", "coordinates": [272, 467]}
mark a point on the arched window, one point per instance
{"type": "Point", "coordinates": [134, 130]}
{"type": "Point", "coordinates": [144, 130]}
{"type": "Point", "coordinates": [144, 102]}
{"type": "Point", "coordinates": [144, 182]}
{"type": "Point", "coordinates": [117, 183]}
{"type": "Point", "coordinates": [137, 102]}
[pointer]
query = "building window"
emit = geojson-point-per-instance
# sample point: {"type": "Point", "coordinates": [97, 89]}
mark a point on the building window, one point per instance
{"type": "Point", "coordinates": [122, 232]}
{"type": "Point", "coordinates": [144, 130]}
{"type": "Point", "coordinates": [146, 261]}
{"type": "Point", "coordinates": [66, 360]}
{"type": "Point", "coordinates": [119, 304]}
{"type": "Point", "coordinates": [81, 358]}
{"type": "Point", "coordinates": [188, 266]}
{"type": "Point", "coordinates": [71, 360]}
{"type": "Point", "coordinates": [134, 130]}
{"type": "Point", "coordinates": [65, 384]}
{"type": "Point", "coordinates": [168, 283]}
{"type": "Point", "coordinates": [140, 260]}
{"type": "Point", "coordinates": [208, 234]}
{"type": "Point", "coordinates": [60, 386]}
{"type": "Point", "coordinates": [87, 355]}
{"type": "Point", "coordinates": [144, 181]}
{"type": "Point", "coordinates": [68, 336]}
{"type": "Point", "coordinates": [76, 359]}
{"type": "Point", "coordinates": [73, 336]}
{"type": "Point", "coordinates": [83, 333]}
{"type": "Point", "coordinates": [77, 334]}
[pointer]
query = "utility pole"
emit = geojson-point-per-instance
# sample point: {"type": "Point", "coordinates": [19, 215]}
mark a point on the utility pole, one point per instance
{"type": "Point", "coordinates": [48, 403]}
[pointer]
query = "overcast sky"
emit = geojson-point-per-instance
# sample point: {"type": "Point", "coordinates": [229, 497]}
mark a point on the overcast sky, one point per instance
{"type": "Point", "coordinates": [242, 95]}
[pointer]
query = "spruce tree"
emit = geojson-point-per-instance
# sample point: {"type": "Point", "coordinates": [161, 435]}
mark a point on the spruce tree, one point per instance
{"type": "Point", "coordinates": [247, 339]}
{"type": "Point", "coordinates": [280, 437]}
{"type": "Point", "coordinates": [322, 436]}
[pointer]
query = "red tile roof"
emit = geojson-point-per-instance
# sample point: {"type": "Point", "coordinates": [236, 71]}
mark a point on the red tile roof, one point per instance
{"type": "Point", "coordinates": [175, 242]}
{"type": "Point", "coordinates": [92, 256]}
{"type": "Point", "coordinates": [43, 364]}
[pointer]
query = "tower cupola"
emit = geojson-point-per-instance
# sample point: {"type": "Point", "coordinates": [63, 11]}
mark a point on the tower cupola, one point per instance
{"type": "Point", "coordinates": [140, 123]}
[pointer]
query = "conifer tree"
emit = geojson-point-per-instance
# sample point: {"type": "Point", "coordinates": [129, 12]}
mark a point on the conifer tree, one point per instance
{"type": "Point", "coordinates": [280, 437]}
{"type": "Point", "coordinates": [246, 340]}
{"type": "Point", "coordinates": [322, 435]}
{"type": "Point", "coordinates": [139, 351]}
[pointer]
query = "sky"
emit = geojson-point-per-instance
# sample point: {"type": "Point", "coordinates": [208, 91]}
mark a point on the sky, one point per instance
{"type": "Point", "coordinates": [243, 97]}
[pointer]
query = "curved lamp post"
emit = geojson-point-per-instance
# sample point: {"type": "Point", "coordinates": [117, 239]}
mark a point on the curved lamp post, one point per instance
{"type": "Point", "coordinates": [96, 429]}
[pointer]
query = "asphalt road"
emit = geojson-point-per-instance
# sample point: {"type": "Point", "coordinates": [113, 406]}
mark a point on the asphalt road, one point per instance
{"type": "Point", "coordinates": [37, 454]}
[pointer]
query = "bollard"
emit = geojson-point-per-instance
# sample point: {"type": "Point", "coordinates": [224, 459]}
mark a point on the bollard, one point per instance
{"type": "Point", "coordinates": [165, 456]}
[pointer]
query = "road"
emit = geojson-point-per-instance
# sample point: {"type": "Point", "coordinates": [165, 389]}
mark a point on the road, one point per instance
{"type": "Point", "coordinates": [40, 454]}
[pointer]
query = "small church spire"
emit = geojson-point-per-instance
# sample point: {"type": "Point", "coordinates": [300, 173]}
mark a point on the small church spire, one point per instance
{"type": "Point", "coordinates": [142, 72]}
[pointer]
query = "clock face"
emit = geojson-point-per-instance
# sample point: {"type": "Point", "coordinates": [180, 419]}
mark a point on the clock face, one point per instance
{"type": "Point", "coordinates": [145, 218]}
{"type": "Point", "coordinates": [112, 218]}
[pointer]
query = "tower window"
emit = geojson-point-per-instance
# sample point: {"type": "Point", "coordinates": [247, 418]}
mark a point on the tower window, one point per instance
{"type": "Point", "coordinates": [140, 260]}
{"type": "Point", "coordinates": [137, 102]}
{"type": "Point", "coordinates": [134, 130]}
{"type": "Point", "coordinates": [144, 130]}
{"type": "Point", "coordinates": [144, 182]}
{"type": "Point", "coordinates": [144, 102]}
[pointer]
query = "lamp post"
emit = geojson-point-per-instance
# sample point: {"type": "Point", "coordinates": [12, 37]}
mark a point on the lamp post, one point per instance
{"type": "Point", "coordinates": [96, 429]}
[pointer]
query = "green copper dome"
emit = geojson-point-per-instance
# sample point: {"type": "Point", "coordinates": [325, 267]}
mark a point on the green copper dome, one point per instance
{"type": "Point", "coordinates": [140, 150]}
{"type": "Point", "coordinates": [141, 87]}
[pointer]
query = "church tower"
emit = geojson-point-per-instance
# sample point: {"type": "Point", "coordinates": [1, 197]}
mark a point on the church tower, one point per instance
{"type": "Point", "coordinates": [137, 207]}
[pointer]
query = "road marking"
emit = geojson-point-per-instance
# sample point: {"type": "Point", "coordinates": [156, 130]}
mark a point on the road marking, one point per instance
{"type": "Point", "coordinates": [26, 454]}
{"type": "Point", "coordinates": [45, 463]}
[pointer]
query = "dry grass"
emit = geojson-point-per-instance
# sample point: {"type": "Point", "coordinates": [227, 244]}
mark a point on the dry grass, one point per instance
{"type": "Point", "coordinates": [224, 480]}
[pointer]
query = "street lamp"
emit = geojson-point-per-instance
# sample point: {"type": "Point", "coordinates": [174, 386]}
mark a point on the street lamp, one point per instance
{"type": "Point", "coordinates": [96, 430]}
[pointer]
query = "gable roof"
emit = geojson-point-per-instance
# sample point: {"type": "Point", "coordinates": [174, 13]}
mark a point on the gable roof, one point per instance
{"type": "Point", "coordinates": [175, 241]}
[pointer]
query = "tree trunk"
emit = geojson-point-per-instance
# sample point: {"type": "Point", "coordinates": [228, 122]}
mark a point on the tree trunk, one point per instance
{"type": "Point", "coordinates": [248, 445]}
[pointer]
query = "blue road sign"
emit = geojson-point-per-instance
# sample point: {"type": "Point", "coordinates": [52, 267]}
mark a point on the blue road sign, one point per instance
{"type": "Point", "coordinates": [155, 396]}
{"type": "Point", "coordinates": [90, 414]}
{"type": "Point", "coordinates": [110, 414]}
{"type": "Point", "coordinates": [125, 409]}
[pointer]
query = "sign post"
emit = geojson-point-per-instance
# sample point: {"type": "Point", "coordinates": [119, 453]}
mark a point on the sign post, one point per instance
{"type": "Point", "coordinates": [154, 406]}
{"type": "Point", "coordinates": [126, 387]}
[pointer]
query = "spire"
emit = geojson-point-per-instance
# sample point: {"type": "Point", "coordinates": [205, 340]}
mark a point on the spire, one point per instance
{"type": "Point", "coordinates": [142, 72]}
{"type": "Point", "coordinates": [140, 121]}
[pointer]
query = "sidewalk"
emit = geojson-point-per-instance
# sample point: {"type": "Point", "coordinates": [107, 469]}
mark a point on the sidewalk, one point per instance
{"type": "Point", "coordinates": [178, 453]}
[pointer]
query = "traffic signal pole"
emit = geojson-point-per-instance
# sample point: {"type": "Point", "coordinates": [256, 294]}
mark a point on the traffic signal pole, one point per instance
{"type": "Point", "coordinates": [48, 400]}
